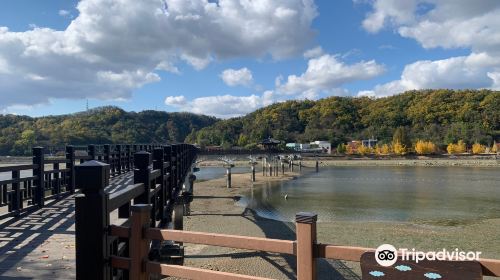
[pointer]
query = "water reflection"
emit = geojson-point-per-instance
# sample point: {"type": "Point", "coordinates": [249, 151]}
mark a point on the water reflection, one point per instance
{"type": "Point", "coordinates": [437, 195]}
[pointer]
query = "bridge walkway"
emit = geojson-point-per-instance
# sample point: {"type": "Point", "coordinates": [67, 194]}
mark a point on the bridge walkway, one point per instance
{"type": "Point", "coordinates": [41, 244]}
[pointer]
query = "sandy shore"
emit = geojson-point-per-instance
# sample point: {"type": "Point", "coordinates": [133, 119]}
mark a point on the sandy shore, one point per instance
{"type": "Point", "coordinates": [214, 210]}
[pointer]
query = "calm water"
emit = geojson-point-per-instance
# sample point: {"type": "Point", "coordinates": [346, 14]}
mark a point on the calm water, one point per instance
{"type": "Point", "coordinates": [437, 195]}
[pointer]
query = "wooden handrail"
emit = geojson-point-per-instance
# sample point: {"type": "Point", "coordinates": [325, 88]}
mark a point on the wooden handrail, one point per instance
{"type": "Point", "coordinates": [120, 262]}
{"type": "Point", "coordinates": [346, 253]}
{"type": "Point", "coordinates": [224, 240]}
{"type": "Point", "coordinates": [124, 196]}
{"type": "Point", "coordinates": [490, 267]}
{"type": "Point", "coordinates": [18, 167]}
{"type": "Point", "coordinates": [195, 273]}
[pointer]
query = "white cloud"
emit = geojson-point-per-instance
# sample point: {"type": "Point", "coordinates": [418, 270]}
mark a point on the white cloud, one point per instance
{"type": "Point", "coordinates": [445, 24]}
{"type": "Point", "coordinates": [456, 72]}
{"type": "Point", "coordinates": [64, 13]}
{"type": "Point", "coordinates": [326, 73]}
{"type": "Point", "coordinates": [114, 47]}
{"type": "Point", "coordinates": [394, 11]}
{"type": "Point", "coordinates": [176, 100]}
{"type": "Point", "coordinates": [232, 77]}
{"type": "Point", "coordinates": [315, 52]}
{"type": "Point", "coordinates": [495, 76]}
{"type": "Point", "coordinates": [222, 106]}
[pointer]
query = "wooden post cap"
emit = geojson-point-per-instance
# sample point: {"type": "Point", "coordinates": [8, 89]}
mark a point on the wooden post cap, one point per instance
{"type": "Point", "coordinates": [92, 175]}
{"type": "Point", "coordinates": [142, 159]}
{"type": "Point", "coordinates": [140, 208]}
{"type": "Point", "coordinates": [306, 218]}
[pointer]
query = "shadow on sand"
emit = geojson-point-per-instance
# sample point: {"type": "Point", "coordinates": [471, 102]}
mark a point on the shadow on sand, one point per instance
{"type": "Point", "coordinates": [326, 269]}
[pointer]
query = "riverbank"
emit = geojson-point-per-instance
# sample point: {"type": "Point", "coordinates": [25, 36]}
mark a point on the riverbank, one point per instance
{"type": "Point", "coordinates": [323, 161]}
{"type": "Point", "coordinates": [214, 209]}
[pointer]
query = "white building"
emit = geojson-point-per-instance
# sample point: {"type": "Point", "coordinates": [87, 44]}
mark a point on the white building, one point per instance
{"type": "Point", "coordinates": [324, 145]}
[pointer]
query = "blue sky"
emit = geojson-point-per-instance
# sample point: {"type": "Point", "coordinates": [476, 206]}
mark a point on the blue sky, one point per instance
{"type": "Point", "coordinates": [231, 57]}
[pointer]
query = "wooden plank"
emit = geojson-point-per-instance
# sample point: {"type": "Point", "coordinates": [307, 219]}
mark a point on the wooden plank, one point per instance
{"type": "Point", "coordinates": [410, 270]}
{"type": "Point", "coordinates": [195, 273]}
{"type": "Point", "coordinates": [490, 267]}
{"type": "Point", "coordinates": [123, 196]}
{"type": "Point", "coordinates": [17, 167]}
{"type": "Point", "coordinates": [119, 231]}
{"type": "Point", "coordinates": [346, 253]}
{"type": "Point", "coordinates": [120, 262]}
{"type": "Point", "coordinates": [223, 240]}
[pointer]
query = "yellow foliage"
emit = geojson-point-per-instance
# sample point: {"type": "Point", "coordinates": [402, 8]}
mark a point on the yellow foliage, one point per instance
{"type": "Point", "coordinates": [398, 148]}
{"type": "Point", "coordinates": [383, 150]}
{"type": "Point", "coordinates": [478, 148]}
{"type": "Point", "coordinates": [350, 150]}
{"type": "Point", "coordinates": [425, 147]}
{"type": "Point", "coordinates": [494, 149]}
{"type": "Point", "coordinates": [458, 148]}
{"type": "Point", "coordinates": [364, 150]}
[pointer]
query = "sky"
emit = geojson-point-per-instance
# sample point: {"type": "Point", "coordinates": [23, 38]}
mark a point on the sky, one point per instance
{"type": "Point", "coordinates": [227, 58]}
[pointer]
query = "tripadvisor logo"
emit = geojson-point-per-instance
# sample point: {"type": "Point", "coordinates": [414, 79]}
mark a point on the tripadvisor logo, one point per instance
{"type": "Point", "coordinates": [387, 255]}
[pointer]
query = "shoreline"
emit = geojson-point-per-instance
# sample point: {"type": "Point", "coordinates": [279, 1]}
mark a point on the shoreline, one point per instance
{"type": "Point", "coordinates": [309, 162]}
{"type": "Point", "coordinates": [214, 210]}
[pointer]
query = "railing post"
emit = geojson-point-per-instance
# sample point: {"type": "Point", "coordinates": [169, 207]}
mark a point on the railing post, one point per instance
{"type": "Point", "coordinates": [91, 152]}
{"type": "Point", "coordinates": [119, 161]}
{"type": "Point", "coordinates": [306, 239]}
{"type": "Point", "coordinates": [158, 156]}
{"type": "Point", "coordinates": [129, 158]}
{"type": "Point", "coordinates": [139, 245]}
{"type": "Point", "coordinates": [70, 164]}
{"type": "Point", "coordinates": [168, 158]}
{"type": "Point", "coordinates": [228, 179]}
{"type": "Point", "coordinates": [92, 221]}
{"type": "Point", "coordinates": [16, 201]}
{"type": "Point", "coordinates": [142, 160]}
{"type": "Point", "coordinates": [39, 172]}
{"type": "Point", "coordinates": [107, 150]}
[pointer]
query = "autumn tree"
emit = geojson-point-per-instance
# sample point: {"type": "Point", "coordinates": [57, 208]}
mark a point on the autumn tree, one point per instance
{"type": "Point", "coordinates": [425, 147]}
{"type": "Point", "coordinates": [478, 148]}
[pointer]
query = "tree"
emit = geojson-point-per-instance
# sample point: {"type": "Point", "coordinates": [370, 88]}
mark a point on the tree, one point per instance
{"type": "Point", "coordinates": [478, 148]}
{"type": "Point", "coordinates": [364, 150]}
{"type": "Point", "coordinates": [399, 149]}
{"type": "Point", "coordinates": [242, 140]}
{"type": "Point", "coordinates": [400, 136]}
{"type": "Point", "coordinates": [25, 142]}
{"type": "Point", "coordinates": [425, 147]}
{"type": "Point", "coordinates": [458, 148]}
{"type": "Point", "coordinates": [341, 148]}
{"type": "Point", "coordinates": [384, 149]}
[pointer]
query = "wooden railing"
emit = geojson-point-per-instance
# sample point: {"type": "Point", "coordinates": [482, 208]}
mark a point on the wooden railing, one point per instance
{"type": "Point", "coordinates": [138, 266]}
{"type": "Point", "coordinates": [158, 181]}
{"type": "Point", "coordinates": [22, 193]}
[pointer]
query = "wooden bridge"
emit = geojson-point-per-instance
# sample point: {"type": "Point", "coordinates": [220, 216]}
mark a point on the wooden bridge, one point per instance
{"type": "Point", "coordinates": [115, 227]}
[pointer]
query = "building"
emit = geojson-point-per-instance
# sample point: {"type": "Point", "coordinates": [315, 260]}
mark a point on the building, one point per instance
{"type": "Point", "coordinates": [369, 143]}
{"type": "Point", "coordinates": [325, 146]}
{"type": "Point", "coordinates": [270, 144]}
{"type": "Point", "coordinates": [297, 146]}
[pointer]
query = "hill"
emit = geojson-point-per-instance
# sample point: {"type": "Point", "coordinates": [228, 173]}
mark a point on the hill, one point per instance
{"type": "Point", "coordinates": [100, 125]}
{"type": "Point", "coordinates": [441, 116]}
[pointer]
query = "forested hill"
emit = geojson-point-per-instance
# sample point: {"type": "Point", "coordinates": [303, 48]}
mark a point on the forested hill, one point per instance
{"type": "Point", "coordinates": [441, 116]}
{"type": "Point", "coordinates": [102, 125]}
